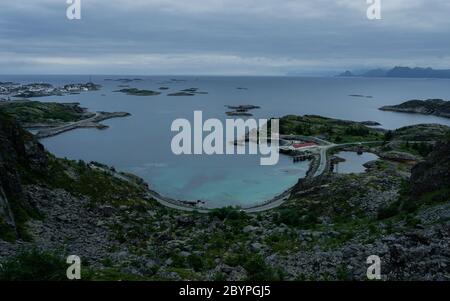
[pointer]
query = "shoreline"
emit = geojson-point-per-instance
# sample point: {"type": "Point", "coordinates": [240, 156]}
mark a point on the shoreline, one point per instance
{"type": "Point", "coordinates": [168, 202]}
{"type": "Point", "coordinates": [319, 166]}
{"type": "Point", "coordinates": [261, 207]}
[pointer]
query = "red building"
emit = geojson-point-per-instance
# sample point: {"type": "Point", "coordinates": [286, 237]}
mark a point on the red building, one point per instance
{"type": "Point", "coordinates": [306, 144]}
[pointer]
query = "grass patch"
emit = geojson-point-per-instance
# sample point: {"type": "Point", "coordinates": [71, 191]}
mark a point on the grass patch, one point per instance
{"type": "Point", "coordinates": [42, 112]}
{"type": "Point", "coordinates": [100, 186]}
{"type": "Point", "coordinates": [337, 131]}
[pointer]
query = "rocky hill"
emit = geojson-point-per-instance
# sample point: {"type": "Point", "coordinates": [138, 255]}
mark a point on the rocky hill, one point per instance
{"type": "Point", "coordinates": [433, 175]}
{"type": "Point", "coordinates": [437, 107]}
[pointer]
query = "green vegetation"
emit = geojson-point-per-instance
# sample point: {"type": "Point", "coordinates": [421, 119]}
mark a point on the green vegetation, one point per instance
{"type": "Point", "coordinates": [227, 213]}
{"type": "Point", "coordinates": [421, 132]}
{"type": "Point", "coordinates": [34, 265]}
{"type": "Point", "coordinates": [447, 136]}
{"type": "Point", "coordinates": [43, 112]}
{"type": "Point", "coordinates": [283, 243]}
{"type": "Point", "coordinates": [388, 136]}
{"type": "Point", "coordinates": [14, 164]}
{"type": "Point", "coordinates": [22, 212]}
{"type": "Point", "coordinates": [295, 218]}
{"type": "Point", "coordinates": [110, 274]}
{"type": "Point", "coordinates": [417, 148]}
{"type": "Point", "coordinates": [98, 184]}
{"type": "Point", "coordinates": [258, 270]}
{"type": "Point", "coordinates": [7, 232]}
{"type": "Point", "coordinates": [406, 204]}
{"type": "Point", "coordinates": [334, 130]}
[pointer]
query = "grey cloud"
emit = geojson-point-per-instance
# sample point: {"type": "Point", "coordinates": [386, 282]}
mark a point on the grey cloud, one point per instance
{"type": "Point", "coordinates": [220, 36]}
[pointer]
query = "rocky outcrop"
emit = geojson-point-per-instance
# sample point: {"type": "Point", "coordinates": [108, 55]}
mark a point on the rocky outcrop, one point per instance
{"type": "Point", "coordinates": [7, 222]}
{"type": "Point", "coordinates": [20, 156]}
{"type": "Point", "coordinates": [420, 254]}
{"type": "Point", "coordinates": [434, 173]}
{"type": "Point", "coordinates": [399, 156]}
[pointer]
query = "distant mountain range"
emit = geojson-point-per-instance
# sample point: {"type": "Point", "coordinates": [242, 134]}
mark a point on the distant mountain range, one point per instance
{"type": "Point", "coordinates": [405, 72]}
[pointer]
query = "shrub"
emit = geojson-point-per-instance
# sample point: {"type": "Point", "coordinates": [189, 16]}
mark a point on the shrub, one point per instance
{"type": "Point", "coordinates": [258, 270]}
{"type": "Point", "coordinates": [388, 211]}
{"type": "Point", "coordinates": [229, 213]}
{"type": "Point", "coordinates": [294, 218]}
{"type": "Point", "coordinates": [196, 262]}
{"type": "Point", "coordinates": [7, 232]}
{"type": "Point", "coordinates": [388, 136]}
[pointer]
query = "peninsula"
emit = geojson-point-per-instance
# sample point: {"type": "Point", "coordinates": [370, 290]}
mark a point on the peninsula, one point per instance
{"type": "Point", "coordinates": [436, 107]}
{"type": "Point", "coordinates": [50, 119]}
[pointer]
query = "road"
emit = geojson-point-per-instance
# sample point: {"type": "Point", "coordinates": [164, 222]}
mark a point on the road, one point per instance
{"type": "Point", "coordinates": [171, 204]}
{"type": "Point", "coordinates": [323, 160]}
{"type": "Point", "coordinates": [323, 163]}
{"type": "Point", "coordinates": [274, 203]}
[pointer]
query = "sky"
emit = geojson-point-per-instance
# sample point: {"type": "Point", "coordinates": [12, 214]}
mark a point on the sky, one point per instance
{"type": "Point", "coordinates": [221, 37]}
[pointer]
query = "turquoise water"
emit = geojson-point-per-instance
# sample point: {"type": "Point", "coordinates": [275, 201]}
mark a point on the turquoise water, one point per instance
{"type": "Point", "coordinates": [141, 143]}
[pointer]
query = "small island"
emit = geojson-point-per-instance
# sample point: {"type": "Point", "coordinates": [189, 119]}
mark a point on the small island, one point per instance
{"type": "Point", "coordinates": [127, 80]}
{"type": "Point", "coordinates": [181, 94]}
{"type": "Point", "coordinates": [137, 92]}
{"type": "Point", "coordinates": [241, 110]}
{"type": "Point", "coordinates": [436, 107]}
{"type": "Point", "coordinates": [360, 96]}
{"type": "Point", "coordinates": [187, 92]}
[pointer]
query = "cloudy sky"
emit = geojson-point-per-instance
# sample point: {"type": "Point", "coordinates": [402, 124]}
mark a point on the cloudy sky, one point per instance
{"type": "Point", "coordinates": [221, 37]}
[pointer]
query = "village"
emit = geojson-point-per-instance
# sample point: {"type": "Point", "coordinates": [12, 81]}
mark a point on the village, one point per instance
{"type": "Point", "coordinates": [11, 90]}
